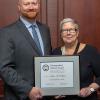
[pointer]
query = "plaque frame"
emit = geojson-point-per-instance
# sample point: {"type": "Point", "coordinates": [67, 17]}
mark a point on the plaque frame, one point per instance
{"type": "Point", "coordinates": [53, 91]}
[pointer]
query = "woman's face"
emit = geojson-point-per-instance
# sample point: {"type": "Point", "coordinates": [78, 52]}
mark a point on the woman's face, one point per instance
{"type": "Point", "coordinates": [69, 33]}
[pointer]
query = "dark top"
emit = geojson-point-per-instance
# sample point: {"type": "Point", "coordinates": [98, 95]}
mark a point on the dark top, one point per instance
{"type": "Point", "coordinates": [89, 66]}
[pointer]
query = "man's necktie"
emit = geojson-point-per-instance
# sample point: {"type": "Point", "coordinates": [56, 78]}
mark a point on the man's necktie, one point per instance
{"type": "Point", "coordinates": [35, 37]}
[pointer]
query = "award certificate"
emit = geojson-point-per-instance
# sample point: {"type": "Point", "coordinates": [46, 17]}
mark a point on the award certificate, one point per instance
{"type": "Point", "coordinates": [57, 75]}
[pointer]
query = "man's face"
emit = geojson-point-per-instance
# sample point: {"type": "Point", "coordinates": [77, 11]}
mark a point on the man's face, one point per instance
{"type": "Point", "coordinates": [29, 8]}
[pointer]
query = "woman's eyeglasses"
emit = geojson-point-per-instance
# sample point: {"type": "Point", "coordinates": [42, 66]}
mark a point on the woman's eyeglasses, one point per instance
{"type": "Point", "coordinates": [71, 30]}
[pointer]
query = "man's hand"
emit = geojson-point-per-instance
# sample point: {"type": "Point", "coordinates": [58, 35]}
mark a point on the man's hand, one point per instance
{"type": "Point", "coordinates": [35, 94]}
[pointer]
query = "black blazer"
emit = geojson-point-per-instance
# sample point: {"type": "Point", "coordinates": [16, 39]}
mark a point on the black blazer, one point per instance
{"type": "Point", "coordinates": [17, 50]}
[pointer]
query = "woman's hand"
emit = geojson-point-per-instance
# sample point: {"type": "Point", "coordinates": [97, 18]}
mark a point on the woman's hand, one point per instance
{"type": "Point", "coordinates": [85, 92]}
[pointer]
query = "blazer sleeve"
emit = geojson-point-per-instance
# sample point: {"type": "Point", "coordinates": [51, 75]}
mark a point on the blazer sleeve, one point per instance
{"type": "Point", "coordinates": [96, 65]}
{"type": "Point", "coordinates": [7, 67]}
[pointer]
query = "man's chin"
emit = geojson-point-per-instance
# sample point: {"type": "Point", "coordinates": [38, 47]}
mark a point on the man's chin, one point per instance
{"type": "Point", "coordinates": [31, 17]}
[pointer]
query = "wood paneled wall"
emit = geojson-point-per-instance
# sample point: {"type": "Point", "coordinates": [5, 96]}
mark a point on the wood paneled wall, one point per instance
{"type": "Point", "coordinates": [86, 12]}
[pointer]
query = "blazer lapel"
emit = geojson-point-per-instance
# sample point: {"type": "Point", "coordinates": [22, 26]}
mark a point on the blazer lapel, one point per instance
{"type": "Point", "coordinates": [45, 37]}
{"type": "Point", "coordinates": [42, 32]}
{"type": "Point", "coordinates": [28, 37]}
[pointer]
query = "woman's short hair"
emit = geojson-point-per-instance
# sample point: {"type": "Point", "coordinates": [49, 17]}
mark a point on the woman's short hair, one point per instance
{"type": "Point", "coordinates": [66, 20]}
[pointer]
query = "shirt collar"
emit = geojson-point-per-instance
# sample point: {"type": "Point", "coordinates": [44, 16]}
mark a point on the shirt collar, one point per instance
{"type": "Point", "coordinates": [27, 23]}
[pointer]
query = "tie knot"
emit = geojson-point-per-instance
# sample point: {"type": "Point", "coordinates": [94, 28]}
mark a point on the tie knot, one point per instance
{"type": "Point", "coordinates": [33, 26]}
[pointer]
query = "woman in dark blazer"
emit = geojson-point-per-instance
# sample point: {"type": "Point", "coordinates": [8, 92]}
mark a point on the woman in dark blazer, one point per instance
{"type": "Point", "coordinates": [89, 60]}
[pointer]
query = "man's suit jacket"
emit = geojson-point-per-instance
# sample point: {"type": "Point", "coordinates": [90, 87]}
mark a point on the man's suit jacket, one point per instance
{"type": "Point", "coordinates": [17, 51]}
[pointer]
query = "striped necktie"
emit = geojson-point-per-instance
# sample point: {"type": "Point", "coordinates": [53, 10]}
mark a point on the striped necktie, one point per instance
{"type": "Point", "coordinates": [35, 37]}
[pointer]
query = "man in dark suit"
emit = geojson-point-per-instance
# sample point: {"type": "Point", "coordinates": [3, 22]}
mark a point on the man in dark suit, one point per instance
{"type": "Point", "coordinates": [17, 50]}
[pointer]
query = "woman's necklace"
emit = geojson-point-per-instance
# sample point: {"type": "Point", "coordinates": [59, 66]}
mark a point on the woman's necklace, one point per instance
{"type": "Point", "coordinates": [75, 51]}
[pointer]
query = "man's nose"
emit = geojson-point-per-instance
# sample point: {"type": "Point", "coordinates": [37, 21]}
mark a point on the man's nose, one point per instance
{"type": "Point", "coordinates": [32, 6]}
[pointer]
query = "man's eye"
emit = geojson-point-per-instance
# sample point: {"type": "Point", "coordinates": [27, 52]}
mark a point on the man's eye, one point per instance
{"type": "Point", "coordinates": [26, 4]}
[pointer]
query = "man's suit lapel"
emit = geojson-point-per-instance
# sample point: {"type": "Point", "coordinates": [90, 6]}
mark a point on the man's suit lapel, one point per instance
{"type": "Point", "coordinates": [42, 32]}
{"type": "Point", "coordinates": [27, 35]}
